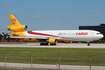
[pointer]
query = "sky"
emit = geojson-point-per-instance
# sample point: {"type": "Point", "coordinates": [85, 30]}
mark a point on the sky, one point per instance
{"type": "Point", "coordinates": [52, 14]}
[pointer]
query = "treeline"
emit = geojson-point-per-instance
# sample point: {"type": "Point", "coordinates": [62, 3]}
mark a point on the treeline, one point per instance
{"type": "Point", "coordinates": [8, 38]}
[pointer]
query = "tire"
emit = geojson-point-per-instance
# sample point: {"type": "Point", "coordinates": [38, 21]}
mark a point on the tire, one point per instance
{"type": "Point", "coordinates": [88, 44]}
{"type": "Point", "coordinates": [52, 44]}
{"type": "Point", "coordinates": [43, 43]}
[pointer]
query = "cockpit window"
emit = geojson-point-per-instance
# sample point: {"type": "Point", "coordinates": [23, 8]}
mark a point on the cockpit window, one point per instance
{"type": "Point", "coordinates": [98, 33]}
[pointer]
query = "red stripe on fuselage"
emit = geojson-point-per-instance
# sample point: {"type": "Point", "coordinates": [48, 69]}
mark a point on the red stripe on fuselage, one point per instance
{"type": "Point", "coordinates": [35, 33]}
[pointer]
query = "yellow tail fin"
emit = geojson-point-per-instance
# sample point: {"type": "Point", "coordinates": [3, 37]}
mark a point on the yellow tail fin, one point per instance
{"type": "Point", "coordinates": [14, 21]}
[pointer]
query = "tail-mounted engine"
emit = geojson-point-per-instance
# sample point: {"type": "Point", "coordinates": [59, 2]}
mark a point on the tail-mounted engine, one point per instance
{"type": "Point", "coordinates": [17, 28]}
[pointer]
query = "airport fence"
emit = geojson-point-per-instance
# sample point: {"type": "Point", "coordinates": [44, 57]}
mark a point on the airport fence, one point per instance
{"type": "Point", "coordinates": [54, 60]}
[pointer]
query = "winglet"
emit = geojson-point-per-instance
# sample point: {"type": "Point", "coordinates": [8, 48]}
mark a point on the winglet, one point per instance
{"type": "Point", "coordinates": [4, 34]}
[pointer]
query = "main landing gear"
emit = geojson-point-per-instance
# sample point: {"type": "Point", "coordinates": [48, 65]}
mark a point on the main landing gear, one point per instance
{"type": "Point", "coordinates": [44, 43]}
{"type": "Point", "coordinates": [52, 44]}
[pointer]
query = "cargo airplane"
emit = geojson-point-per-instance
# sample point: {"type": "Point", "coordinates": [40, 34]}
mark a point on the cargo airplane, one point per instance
{"type": "Point", "coordinates": [50, 37]}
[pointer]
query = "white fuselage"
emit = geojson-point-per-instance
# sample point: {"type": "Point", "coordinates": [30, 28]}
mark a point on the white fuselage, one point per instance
{"type": "Point", "coordinates": [72, 35]}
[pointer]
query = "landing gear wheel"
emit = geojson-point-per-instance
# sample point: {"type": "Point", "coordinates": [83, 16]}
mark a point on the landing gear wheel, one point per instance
{"type": "Point", "coordinates": [52, 44]}
{"type": "Point", "coordinates": [43, 43]}
{"type": "Point", "coordinates": [88, 44]}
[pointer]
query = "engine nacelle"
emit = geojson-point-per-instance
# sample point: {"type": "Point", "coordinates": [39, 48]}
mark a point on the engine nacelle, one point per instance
{"type": "Point", "coordinates": [17, 28]}
{"type": "Point", "coordinates": [52, 41]}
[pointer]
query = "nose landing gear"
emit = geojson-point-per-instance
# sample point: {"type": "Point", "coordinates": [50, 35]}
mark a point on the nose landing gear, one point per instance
{"type": "Point", "coordinates": [88, 44]}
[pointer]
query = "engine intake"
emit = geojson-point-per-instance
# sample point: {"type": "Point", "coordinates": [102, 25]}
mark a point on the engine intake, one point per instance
{"type": "Point", "coordinates": [52, 41]}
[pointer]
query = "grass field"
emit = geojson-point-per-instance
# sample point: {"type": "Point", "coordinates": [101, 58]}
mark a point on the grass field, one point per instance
{"type": "Point", "coordinates": [9, 68]}
{"type": "Point", "coordinates": [69, 56]}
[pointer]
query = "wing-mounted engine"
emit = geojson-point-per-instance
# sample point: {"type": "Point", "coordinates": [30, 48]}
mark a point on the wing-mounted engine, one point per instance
{"type": "Point", "coordinates": [52, 41]}
{"type": "Point", "coordinates": [17, 28]}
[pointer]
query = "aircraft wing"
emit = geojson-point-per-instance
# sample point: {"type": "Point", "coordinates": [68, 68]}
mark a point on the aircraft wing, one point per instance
{"type": "Point", "coordinates": [36, 37]}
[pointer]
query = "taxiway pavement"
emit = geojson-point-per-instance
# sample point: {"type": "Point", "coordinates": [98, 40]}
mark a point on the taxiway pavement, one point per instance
{"type": "Point", "coordinates": [59, 45]}
{"type": "Point", "coordinates": [48, 66]}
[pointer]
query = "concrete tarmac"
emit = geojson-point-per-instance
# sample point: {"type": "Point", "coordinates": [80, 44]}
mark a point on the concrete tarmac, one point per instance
{"type": "Point", "coordinates": [59, 45]}
{"type": "Point", "coordinates": [48, 66]}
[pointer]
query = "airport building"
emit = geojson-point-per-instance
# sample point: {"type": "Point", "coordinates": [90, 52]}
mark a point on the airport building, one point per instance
{"type": "Point", "coordinates": [100, 28]}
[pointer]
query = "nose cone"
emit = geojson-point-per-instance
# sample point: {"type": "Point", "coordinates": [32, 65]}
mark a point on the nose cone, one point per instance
{"type": "Point", "coordinates": [100, 36]}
